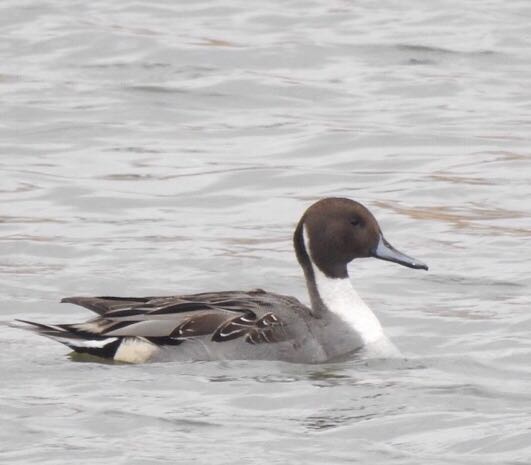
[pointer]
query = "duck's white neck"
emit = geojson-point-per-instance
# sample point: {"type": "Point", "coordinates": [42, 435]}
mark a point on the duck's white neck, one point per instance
{"type": "Point", "coordinates": [340, 298]}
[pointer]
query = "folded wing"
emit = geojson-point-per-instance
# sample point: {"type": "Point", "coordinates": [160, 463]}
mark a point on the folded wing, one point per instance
{"type": "Point", "coordinates": [146, 324]}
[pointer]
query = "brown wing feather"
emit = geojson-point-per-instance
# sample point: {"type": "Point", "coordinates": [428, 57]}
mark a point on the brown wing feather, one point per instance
{"type": "Point", "coordinates": [200, 325]}
{"type": "Point", "coordinates": [254, 330]}
{"type": "Point", "coordinates": [224, 316]}
{"type": "Point", "coordinates": [102, 305]}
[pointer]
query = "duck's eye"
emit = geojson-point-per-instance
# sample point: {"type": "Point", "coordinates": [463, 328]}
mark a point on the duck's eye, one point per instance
{"type": "Point", "coordinates": [355, 222]}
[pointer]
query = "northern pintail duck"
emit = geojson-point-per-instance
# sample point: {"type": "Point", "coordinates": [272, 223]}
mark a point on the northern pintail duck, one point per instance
{"type": "Point", "coordinates": [254, 324]}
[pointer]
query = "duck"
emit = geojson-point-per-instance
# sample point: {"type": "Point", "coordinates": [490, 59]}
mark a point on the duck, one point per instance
{"type": "Point", "coordinates": [256, 324]}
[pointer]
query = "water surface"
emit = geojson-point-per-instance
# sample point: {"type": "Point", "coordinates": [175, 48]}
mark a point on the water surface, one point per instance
{"type": "Point", "coordinates": [157, 148]}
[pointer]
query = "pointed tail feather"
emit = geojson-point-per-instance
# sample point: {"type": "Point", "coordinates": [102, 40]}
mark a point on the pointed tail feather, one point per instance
{"type": "Point", "coordinates": [40, 328]}
{"type": "Point", "coordinates": [99, 346]}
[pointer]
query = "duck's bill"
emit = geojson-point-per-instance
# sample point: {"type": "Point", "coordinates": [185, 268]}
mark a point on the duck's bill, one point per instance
{"type": "Point", "coordinates": [386, 251]}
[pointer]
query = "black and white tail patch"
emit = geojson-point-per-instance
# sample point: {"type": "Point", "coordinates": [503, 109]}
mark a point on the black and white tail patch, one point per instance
{"type": "Point", "coordinates": [124, 349]}
{"type": "Point", "coordinates": [105, 348]}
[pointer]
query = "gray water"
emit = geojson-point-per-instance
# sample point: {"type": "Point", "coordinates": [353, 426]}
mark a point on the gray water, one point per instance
{"type": "Point", "coordinates": [164, 147]}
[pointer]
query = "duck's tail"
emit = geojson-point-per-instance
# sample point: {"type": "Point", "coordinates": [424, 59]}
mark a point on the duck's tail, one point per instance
{"type": "Point", "coordinates": [80, 341]}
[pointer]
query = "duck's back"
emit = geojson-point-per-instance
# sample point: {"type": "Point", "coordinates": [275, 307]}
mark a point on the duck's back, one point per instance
{"type": "Point", "coordinates": [207, 326]}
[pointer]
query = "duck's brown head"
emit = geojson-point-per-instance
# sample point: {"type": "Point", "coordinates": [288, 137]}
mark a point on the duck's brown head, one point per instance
{"type": "Point", "coordinates": [335, 231]}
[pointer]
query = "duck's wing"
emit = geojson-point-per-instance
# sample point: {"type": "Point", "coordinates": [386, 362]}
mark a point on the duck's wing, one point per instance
{"type": "Point", "coordinates": [219, 317]}
{"type": "Point", "coordinates": [101, 305]}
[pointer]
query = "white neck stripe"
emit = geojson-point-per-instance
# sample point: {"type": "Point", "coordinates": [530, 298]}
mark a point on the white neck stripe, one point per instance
{"type": "Point", "coordinates": [342, 299]}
